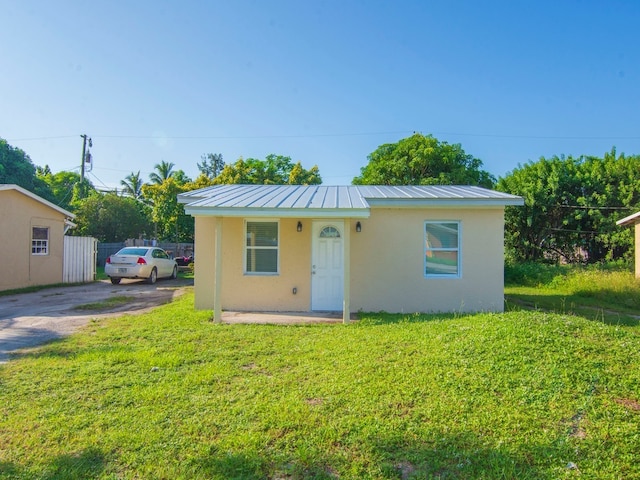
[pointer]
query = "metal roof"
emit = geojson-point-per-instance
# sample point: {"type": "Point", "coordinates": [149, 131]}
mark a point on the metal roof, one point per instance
{"type": "Point", "coordinates": [333, 201]}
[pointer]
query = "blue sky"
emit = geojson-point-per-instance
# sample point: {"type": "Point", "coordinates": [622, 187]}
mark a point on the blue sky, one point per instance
{"type": "Point", "coordinates": [324, 82]}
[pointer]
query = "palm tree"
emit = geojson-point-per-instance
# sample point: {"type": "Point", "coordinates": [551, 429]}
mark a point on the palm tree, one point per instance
{"type": "Point", "coordinates": [132, 185]}
{"type": "Point", "coordinates": [164, 169]}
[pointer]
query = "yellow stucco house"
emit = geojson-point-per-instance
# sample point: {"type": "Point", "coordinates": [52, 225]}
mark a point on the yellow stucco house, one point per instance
{"type": "Point", "coordinates": [348, 248]}
{"type": "Point", "coordinates": [32, 237]}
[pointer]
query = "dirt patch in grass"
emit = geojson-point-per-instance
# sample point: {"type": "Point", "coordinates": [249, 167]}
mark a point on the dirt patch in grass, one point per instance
{"type": "Point", "coordinates": [107, 304]}
{"type": "Point", "coordinates": [628, 403]}
{"type": "Point", "coordinates": [406, 470]}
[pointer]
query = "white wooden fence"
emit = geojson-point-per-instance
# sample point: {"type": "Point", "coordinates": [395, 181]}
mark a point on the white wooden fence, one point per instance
{"type": "Point", "coordinates": [79, 259]}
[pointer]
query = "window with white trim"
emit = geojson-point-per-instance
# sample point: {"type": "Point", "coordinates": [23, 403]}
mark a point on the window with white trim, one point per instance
{"type": "Point", "coordinates": [442, 249]}
{"type": "Point", "coordinates": [261, 247]}
{"type": "Point", "coordinates": [39, 240]}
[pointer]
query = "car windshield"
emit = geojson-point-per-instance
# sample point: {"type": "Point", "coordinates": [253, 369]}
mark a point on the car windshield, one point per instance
{"type": "Point", "coordinates": [141, 252]}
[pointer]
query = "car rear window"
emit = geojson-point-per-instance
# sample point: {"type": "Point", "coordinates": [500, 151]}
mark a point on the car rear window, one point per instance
{"type": "Point", "coordinates": [141, 252]}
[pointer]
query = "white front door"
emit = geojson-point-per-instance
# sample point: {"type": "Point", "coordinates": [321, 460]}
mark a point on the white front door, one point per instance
{"type": "Point", "coordinates": [327, 266]}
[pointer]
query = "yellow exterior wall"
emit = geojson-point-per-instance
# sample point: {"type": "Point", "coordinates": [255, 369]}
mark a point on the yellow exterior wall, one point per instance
{"type": "Point", "coordinates": [205, 261]}
{"type": "Point", "coordinates": [18, 214]}
{"type": "Point", "coordinates": [387, 264]}
{"type": "Point", "coordinates": [637, 248]}
{"type": "Point", "coordinates": [253, 292]}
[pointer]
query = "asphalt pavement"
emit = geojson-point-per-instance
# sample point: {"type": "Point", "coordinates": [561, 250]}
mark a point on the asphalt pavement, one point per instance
{"type": "Point", "coordinates": [31, 319]}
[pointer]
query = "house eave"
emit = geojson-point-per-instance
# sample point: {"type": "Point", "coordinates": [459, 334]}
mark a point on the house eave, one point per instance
{"type": "Point", "coordinates": [278, 212]}
{"type": "Point", "coordinates": [630, 220]}
{"type": "Point", "coordinates": [445, 202]}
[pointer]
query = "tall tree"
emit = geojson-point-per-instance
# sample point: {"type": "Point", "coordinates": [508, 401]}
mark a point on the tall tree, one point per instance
{"type": "Point", "coordinates": [273, 170]}
{"type": "Point", "coordinates": [423, 160]}
{"type": "Point", "coordinates": [111, 218]}
{"type": "Point", "coordinates": [132, 185]}
{"type": "Point", "coordinates": [543, 228]}
{"type": "Point", "coordinates": [16, 167]}
{"type": "Point", "coordinates": [212, 164]}
{"type": "Point", "coordinates": [67, 188]}
{"type": "Point", "coordinates": [571, 206]}
{"type": "Point", "coordinates": [164, 170]}
{"type": "Point", "coordinates": [300, 176]}
{"type": "Point", "coordinates": [168, 215]}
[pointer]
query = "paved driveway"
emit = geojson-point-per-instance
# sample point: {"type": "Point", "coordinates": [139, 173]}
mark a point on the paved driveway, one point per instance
{"type": "Point", "coordinates": [30, 319]}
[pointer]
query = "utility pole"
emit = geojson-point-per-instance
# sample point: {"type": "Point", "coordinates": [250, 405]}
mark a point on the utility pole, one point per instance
{"type": "Point", "coordinates": [84, 154]}
{"type": "Point", "coordinates": [84, 159]}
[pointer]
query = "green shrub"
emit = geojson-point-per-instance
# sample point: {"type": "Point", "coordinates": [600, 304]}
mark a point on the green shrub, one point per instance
{"type": "Point", "coordinates": [532, 274]}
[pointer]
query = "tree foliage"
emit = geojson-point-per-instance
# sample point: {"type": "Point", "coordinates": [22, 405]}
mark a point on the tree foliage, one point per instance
{"type": "Point", "coordinates": [163, 171]}
{"type": "Point", "coordinates": [67, 189]}
{"type": "Point", "coordinates": [17, 168]}
{"type": "Point", "coordinates": [212, 164]}
{"type": "Point", "coordinates": [571, 206]}
{"type": "Point", "coordinates": [273, 170]}
{"type": "Point", "coordinates": [111, 218]}
{"type": "Point", "coordinates": [423, 160]}
{"type": "Point", "coordinates": [132, 185]}
{"type": "Point", "coordinates": [171, 222]}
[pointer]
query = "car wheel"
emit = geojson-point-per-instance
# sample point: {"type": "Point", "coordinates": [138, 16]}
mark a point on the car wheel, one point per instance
{"type": "Point", "coordinates": [115, 281]}
{"type": "Point", "coordinates": [174, 274]}
{"type": "Point", "coordinates": [153, 277]}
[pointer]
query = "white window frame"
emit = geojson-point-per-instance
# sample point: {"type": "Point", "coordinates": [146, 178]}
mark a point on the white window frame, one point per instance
{"type": "Point", "coordinates": [39, 246]}
{"type": "Point", "coordinates": [457, 249]}
{"type": "Point", "coordinates": [245, 248]}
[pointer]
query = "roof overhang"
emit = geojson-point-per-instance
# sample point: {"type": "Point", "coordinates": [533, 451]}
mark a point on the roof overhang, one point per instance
{"type": "Point", "coordinates": [279, 212]}
{"type": "Point", "coordinates": [630, 220]}
{"type": "Point", "coordinates": [444, 202]}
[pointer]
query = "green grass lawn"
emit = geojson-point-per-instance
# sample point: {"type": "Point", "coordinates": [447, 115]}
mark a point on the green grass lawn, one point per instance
{"type": "Point", "coordinates": [611, 295]}
{"type": "Point", "coordinates": [169, 394]}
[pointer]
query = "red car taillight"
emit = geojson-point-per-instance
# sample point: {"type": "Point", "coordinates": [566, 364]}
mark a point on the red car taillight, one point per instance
{"type": "Point", "coordinates": [108, 260]}
{"type": "Point", "coordinates": [141, 261]}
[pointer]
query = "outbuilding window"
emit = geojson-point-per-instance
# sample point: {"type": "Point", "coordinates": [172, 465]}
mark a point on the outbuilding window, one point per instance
{"type": "Point", "coordinates": [40, 241]}
{"type": "Point", "coordinates": [261, 247]}
{"type": "Point", "coordinates": [442, 249]}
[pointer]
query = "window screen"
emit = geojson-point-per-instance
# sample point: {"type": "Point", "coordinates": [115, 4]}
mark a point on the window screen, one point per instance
{"type": "Point", "coordinates": [442, 249]}
{"type": "Point", "coordinates": [261, 247]}
{"type": "Point", "coordinates": [40, 241]}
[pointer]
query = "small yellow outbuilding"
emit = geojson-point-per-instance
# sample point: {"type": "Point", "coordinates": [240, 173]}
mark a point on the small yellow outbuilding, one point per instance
{"type": "Point", "coordinates": [32, 237]}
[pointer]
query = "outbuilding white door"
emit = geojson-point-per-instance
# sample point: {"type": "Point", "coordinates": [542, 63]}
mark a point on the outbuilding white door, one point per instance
{"type": "Point", "coordinates": [327, 267]}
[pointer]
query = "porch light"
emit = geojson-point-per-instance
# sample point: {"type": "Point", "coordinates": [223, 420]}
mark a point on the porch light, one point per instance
{"type": "Point", "coordinates": [299, 228]}
{"type": "Point", "coordinates": [358, 227]}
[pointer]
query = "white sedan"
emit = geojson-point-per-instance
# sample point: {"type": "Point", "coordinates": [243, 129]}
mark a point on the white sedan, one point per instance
{"type": "Point", "coordinates": [149, 263]}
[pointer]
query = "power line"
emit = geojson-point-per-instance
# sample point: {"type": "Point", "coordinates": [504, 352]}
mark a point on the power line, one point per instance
{"type": "Point", "coordinates": [335, 134]}
{"type": "Point", "coordinates": [39, 138]}
{"type": "Point", "coordinates": [251, 137]}
{"type": "Point", "coordinates": [103, 184]}
{"type": "Point", "coordinates": [582, 207]}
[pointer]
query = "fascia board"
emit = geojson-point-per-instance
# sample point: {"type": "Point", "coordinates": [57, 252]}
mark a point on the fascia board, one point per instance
{"type": "Point", "coordinates": [279, 212]}
{"type": "Point", "coordinates": [445, 202]}
{"type": "Point", "coordinates": [630, 220]}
